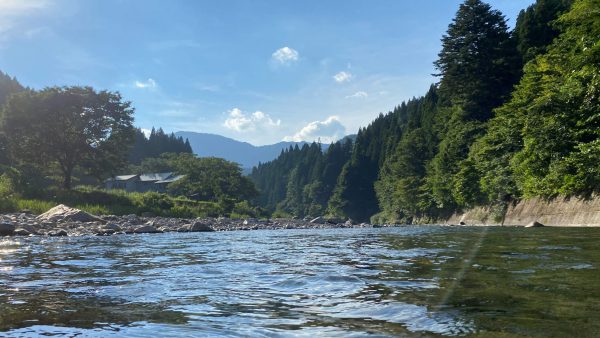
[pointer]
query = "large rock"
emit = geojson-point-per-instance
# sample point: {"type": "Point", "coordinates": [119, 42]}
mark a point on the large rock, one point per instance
{"type": "Point", "coordinates": [6, 229]}
{"type": "Point", "coordinates": [22, 232]}
{"type": "Point", "coordinates": [61, 213]}
{"type": "Point", "coordinates": [58, 233]}
{"type": "Point", "coordinates": [199, 227]}
{"type": "Point", "coordinates": [112, 226]}
{"type": "Point", "coordinates": [534, 224]}
{"type": "Point", "coordinates": [26, 230]}
{"type": "Point", "coordinates": [146, 229]}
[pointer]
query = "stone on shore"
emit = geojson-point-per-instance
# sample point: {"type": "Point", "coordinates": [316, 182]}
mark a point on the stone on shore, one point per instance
{"type": "Point", "coordinates": [146, 229]}
{"type": "Point", "coordinates": [22, 232]}
{"type": "Point", "coordinates": [112, 226]}
{"type": "Point", "coordinates": [199, 227]}
{"type": "Point", "coordinates": [62, 213]}
{"type": "Point", "coordinates": [58, 233]}
{"type": "Point", "coordinates": [534, 224]}
{"type": "Point", "coordinates": [28, 227]}
{"type": "Point", "coordinates": [6, 229]}
{"type": "Point", "coordinates": [318, 220]}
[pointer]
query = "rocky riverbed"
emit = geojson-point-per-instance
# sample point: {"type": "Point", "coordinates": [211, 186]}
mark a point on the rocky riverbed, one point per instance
{"type": "Point", "coordinates": [65, 221]}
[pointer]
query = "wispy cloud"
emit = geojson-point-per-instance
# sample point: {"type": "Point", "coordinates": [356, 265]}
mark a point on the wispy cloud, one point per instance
{"type": "Point", "coordinates": [358, 95]}
{"type": "Point", "coordinates": [208, 88]}
{"type": "Point", "coordinates": [18, 7]}
{"type": "Point", "coordinates": [150, 83]}
{"type": "Point", "coordinates": [13, 10]}
{"type": "Point", "coordinates": [172, 44]}
{"type": "Point", "coordinates": [285, 55]}
{"type": "Point", "coordinates": [241, 122]}
{"type": "Point", "coordinates": [326, 131]}
{"type": "Point", "coordinates": [342, 77]}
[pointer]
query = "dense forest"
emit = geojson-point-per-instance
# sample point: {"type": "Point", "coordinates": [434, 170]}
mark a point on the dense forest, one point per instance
{"type": "Point", "coordinates": [515, 114]}
{"type": "Point", "coordinates": [157, 143]}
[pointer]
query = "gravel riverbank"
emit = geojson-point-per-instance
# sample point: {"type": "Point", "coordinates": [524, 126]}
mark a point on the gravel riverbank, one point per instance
{"type": "Point", "coordinates": [65, 221]}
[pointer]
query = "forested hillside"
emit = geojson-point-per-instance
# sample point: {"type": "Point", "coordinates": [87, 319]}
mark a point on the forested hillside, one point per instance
{"type": "Point", "coordinates": [157, 143]}
{"type": "Point", "coordinates": [515, 114]}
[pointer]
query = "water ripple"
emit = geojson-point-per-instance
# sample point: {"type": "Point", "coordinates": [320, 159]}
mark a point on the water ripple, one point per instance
{"type": "Point", "coordinates": [353, 282]}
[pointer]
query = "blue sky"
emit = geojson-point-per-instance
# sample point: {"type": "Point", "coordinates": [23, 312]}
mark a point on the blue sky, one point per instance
{"type": "Point", "coordinates": [257, 71]}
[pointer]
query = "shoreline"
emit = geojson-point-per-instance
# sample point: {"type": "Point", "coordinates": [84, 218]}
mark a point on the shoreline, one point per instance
{"type": "Point", "coordinates": [27, 224]}
{"type": "Point", "coordinates": [78, 223]}
{"type": "Point", "coordinates": [65, 221]}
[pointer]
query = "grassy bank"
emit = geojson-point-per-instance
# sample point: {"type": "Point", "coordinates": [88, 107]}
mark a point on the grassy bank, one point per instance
{"type": "Point", "coordinates": [119, 202]}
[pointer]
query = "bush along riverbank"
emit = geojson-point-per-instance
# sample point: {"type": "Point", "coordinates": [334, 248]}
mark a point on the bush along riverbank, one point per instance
{"type": "Point", "coordinates": [65, 221]}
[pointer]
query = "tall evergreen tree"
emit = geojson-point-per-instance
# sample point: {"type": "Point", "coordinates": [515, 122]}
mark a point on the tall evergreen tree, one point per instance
{"type": "Point", "coordinates": [477, 61]}
{"type": "Point", "coordinates": [478, 66]}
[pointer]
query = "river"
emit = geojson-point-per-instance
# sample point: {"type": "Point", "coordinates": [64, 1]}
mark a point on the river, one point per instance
{"type": "Point", "coordinates": [403, 281]}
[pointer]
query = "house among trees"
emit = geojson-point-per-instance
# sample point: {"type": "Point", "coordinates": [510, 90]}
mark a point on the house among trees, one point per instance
{"type": "Point", "coordinates": [143, 182]}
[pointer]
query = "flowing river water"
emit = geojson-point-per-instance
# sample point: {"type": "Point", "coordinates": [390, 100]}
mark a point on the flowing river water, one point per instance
{"type": "Point", "coordinates": [404, 281]}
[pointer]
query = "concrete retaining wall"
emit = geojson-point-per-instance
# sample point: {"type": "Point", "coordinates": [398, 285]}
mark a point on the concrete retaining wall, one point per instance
{"type": "Point", "coordinates": [558, 212]}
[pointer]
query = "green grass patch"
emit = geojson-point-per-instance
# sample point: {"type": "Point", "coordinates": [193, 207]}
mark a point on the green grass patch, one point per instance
{"type": "Point", "coordinates": [119, 202]}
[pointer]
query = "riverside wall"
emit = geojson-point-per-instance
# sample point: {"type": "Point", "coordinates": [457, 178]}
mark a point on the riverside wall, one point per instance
{"type": "Point", "coordinates": [560, 211]}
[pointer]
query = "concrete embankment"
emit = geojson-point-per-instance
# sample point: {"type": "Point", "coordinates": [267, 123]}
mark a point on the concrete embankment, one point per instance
{"type": "Point", "coordinates": [560, 211]}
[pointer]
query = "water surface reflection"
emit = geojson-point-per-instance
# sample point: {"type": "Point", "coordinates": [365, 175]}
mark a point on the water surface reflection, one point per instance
{"type": "Point", "coordinates": [409, 281]}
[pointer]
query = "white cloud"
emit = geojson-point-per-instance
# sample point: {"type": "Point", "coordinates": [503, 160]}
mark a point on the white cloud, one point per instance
{"type": "Point", "coordinates": [326, 131]}
{"type": "Point", "coordinates": [342, 77]}
{"type": "Point", "coordinates": [285, 55]}
{"type": "Point", "coordinates": [147, 84]}
{"type": "Point", "coordinates": [17, 7]}
{"type": "Point", "coordinates": [242, 122]}
{"type": "Point", "coordinates": [146, 132]}
{"type": "Point", "coordinates": [358, 95]}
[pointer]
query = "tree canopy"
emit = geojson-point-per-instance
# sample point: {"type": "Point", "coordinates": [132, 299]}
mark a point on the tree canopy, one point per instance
{"type": "Point", "coordinates": [64, 128]}
{"type": "Point", "coordinates": [210, 178]}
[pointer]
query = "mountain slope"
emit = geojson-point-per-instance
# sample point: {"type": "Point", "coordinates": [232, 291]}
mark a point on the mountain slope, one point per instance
{"type": "Point", "coordinates": [244, 153]}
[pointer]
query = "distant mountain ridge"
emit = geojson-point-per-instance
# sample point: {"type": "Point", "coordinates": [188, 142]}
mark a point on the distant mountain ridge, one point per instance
{"type": "Point", "coordinates": [244, 153]}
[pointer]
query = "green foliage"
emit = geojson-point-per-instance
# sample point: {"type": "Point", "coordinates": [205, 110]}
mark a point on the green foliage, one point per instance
{"type": "Point", "coordinates": [211, 179]}
{"type": "Point", "coordinates": [535, 28]}
{"type": "Point", "coordinates": [478, 62]}
{"type": "Point", "coordinates": [118, 202]}
{"type": "Point", "coordinates": [301, 180]}
{"type": "Point", "coordinates": [8, 86]}
{"type": "Point", "coordinates": [161, 164]}
{"type": "Point", "coordinates": [155, 145]}
{"type": "Point", "coordinates": [402, 175]}
{"type": "Point", "coordinates": [33, 205]}
{"type": "Point", "coordinates": [61, 129]}
{"type": "Point", "coordinates": [6, 193]}
{"type": "Point", "coordinates": [556, 113]}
